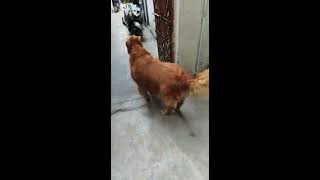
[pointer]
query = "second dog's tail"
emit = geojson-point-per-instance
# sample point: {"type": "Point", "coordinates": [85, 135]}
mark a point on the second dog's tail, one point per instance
{"type": "Point", "coordinates": [199, 86]}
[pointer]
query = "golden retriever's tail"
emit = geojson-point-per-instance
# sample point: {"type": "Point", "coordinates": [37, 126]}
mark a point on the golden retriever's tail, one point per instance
{"type": "Point", "coordinates": [199, 86]}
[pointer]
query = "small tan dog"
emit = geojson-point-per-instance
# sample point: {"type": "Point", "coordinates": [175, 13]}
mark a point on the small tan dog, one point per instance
{"type": "Point", "coordinates": [168, 81]}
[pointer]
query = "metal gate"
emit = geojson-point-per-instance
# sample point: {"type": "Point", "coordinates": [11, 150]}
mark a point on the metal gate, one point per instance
{"type": "Point", "coordinates": [163, 12]}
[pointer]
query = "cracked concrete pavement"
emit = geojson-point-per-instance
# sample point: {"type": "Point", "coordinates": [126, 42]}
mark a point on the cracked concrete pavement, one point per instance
{"type": "Point", "coordinates": [145, 144]}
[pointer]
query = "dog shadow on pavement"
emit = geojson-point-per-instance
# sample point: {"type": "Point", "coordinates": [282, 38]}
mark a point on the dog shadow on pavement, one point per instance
{"type": "Point", "coordinates": [155, 106]}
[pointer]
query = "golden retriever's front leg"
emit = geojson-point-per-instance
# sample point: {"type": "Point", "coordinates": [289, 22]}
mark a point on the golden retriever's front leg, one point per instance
{"type": "Point", "coordinates": [144, 94]}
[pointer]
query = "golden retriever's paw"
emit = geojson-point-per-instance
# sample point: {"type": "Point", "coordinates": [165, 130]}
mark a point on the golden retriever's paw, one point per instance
{"type": "Point", "coordinates": [164, 112]}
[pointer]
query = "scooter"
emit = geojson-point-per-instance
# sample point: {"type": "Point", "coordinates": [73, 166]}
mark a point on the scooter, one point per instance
{"type": "Point", "coordinates": [133, 19]}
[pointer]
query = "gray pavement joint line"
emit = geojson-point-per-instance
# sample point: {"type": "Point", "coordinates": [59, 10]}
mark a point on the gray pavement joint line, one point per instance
{"type": "Point", "coordinates": [126, 109]}
{"type": "Point", "coordinates": [128, 100]}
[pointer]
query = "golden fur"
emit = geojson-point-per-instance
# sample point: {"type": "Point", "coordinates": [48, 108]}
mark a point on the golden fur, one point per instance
{"type": "Point", "coordinates": [168, 81]}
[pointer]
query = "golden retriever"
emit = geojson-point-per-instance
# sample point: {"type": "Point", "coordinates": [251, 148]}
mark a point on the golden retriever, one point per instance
{"type": "Point", "coordinates": [168, 81]}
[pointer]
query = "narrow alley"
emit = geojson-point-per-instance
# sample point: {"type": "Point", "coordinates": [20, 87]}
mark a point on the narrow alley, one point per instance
{"type": "Point", "coordinates": [144, 144]}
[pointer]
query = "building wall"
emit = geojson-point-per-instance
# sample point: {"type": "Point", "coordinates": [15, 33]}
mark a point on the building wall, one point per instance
{"type": "Point", "coordinates": [204, 49]}
{"type": "Point", "coordinates": [190, 17]}
{"type": "Point", "coordinates": [152, 25]}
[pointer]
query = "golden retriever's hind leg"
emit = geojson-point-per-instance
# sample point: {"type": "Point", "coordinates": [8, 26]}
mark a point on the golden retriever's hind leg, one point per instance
{"type": "Point", "coordinates": [179, 104]}
{"type": "Point", "coordinates": [144, 94]}
{"type": "Point", "coordinates": [170, 106]}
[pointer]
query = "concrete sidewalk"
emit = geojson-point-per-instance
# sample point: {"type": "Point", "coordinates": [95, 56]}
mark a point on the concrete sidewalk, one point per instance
{"type": "Point", "coordinates": [144, 144]}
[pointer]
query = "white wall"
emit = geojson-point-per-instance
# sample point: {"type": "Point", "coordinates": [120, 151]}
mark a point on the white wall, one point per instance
{"type": "Point", "coordinates": [190, 16]}
{"type": "Point", "coordinates": [204, 51]}
{"type": "Point", "coordinates": [151, 16]}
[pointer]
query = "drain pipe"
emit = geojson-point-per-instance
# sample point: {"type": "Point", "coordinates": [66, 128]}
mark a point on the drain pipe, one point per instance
{"type": "Point", "coordinates": [200, 40]}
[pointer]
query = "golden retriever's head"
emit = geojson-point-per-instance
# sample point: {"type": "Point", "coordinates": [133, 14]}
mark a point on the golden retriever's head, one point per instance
{"type": "Point", "coordinates": [133, 40]}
